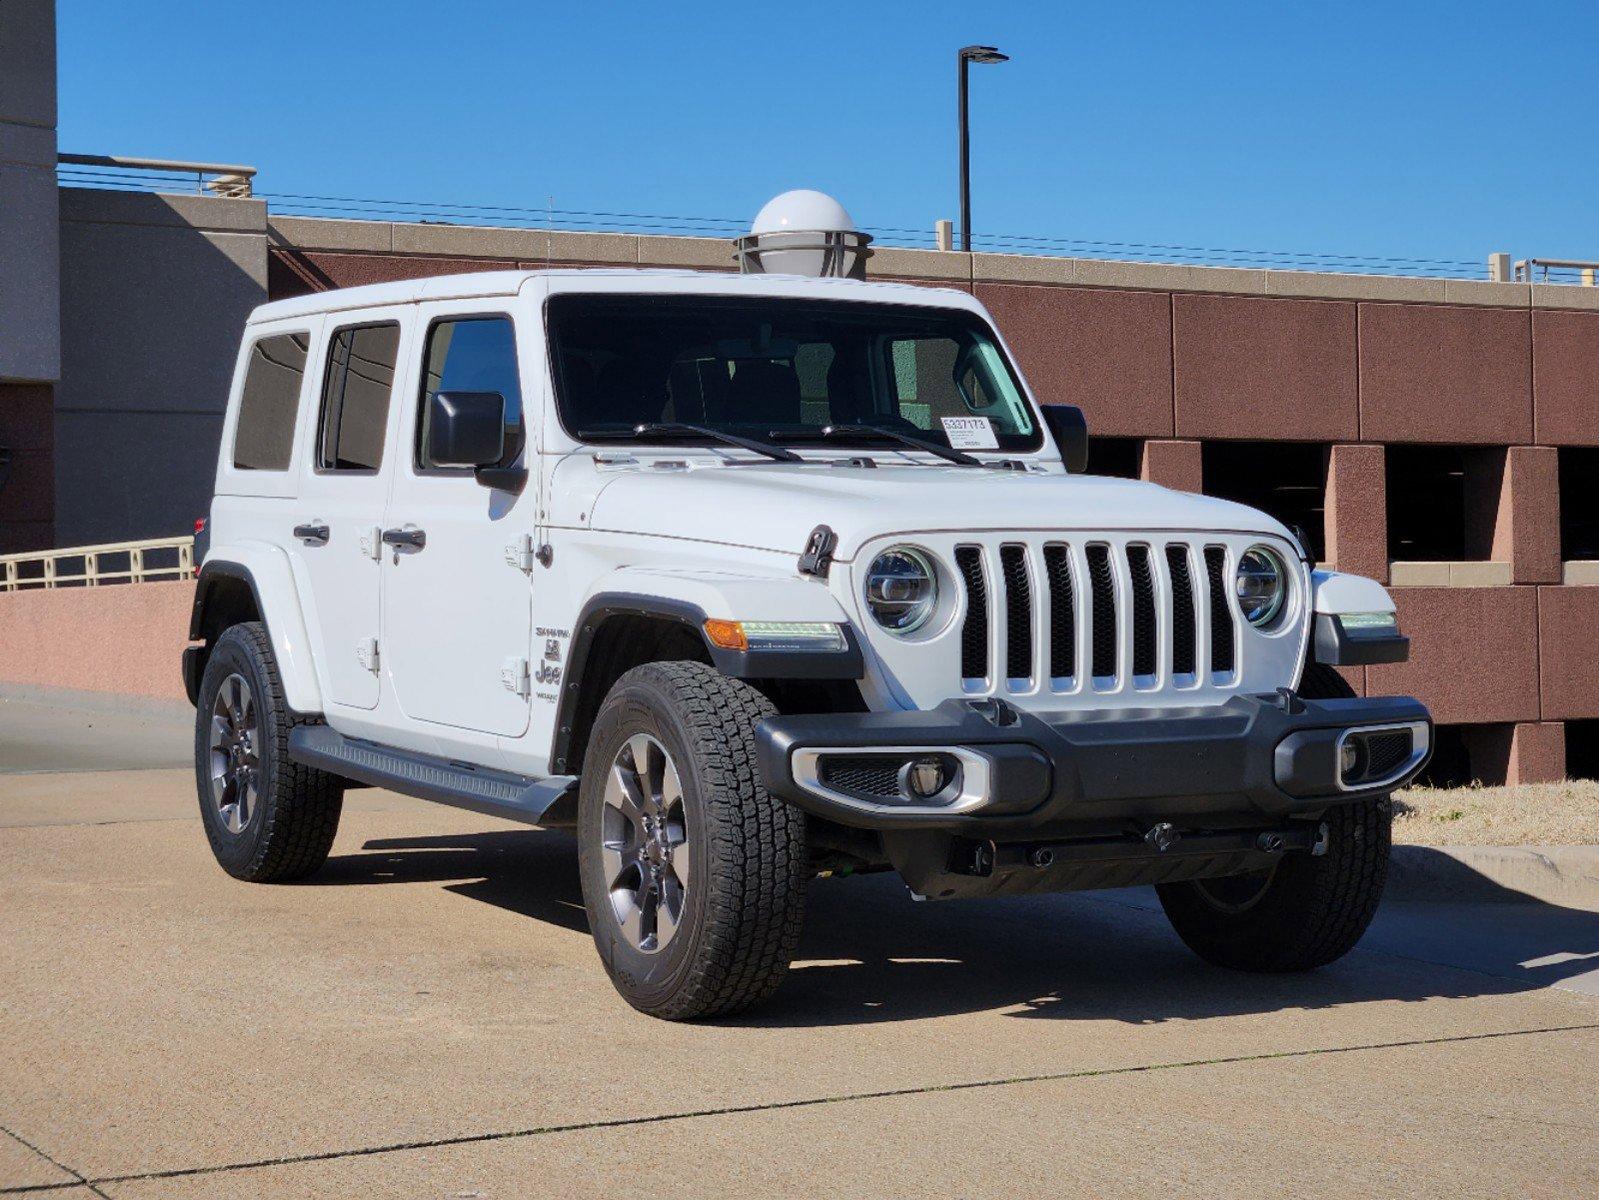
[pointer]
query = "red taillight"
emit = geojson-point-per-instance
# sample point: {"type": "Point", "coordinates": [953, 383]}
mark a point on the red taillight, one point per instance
{"type": "Point", "coordinates": [199, 525]}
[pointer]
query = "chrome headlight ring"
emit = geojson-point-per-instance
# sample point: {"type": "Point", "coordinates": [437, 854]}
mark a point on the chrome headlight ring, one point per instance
{"type": "Point", "coordinates": [902, 589]}
{"type": "Point", "coordinates": [1261, 585]}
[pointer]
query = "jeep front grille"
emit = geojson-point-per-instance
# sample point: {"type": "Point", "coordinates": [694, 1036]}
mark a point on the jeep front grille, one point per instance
{"type": "Point", "coordinates": [1221, 624]}
{"type": "Point", "coordinates": [974, 634]}
{"type": "Point", "coordinates": [1137, 613]}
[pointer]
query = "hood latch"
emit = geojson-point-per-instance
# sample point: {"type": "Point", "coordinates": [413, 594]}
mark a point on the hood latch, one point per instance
{"type": "Point", "coordinates": [817, 557]}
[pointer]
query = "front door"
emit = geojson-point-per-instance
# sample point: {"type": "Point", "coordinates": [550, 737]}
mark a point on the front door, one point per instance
{"type": "Point", "coordinates": [457, 610]}
{"type": "Point", "coordinates": [343, 490]}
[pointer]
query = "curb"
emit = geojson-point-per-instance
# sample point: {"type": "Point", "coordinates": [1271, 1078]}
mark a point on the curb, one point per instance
{"type": "Point", "coordinates": [1563, 875]}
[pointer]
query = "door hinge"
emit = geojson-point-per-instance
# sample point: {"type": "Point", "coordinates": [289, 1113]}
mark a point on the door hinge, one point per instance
{"type": "Point", "coordinates": [366, 653]}
{"type": "Point", "coordinates": [514, 675]}
{"type": "Point", "coordinates": [524, 552]}
{"type": "Point", "coordinates": [520, 552]}
{"type": "Point", "coordinates": [372, 543]}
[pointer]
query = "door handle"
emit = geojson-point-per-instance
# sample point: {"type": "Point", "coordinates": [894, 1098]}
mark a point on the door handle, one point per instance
{"type": "Point", "coordinates": [315, 535]}
{"type": "Point", "coordinates": [414, 538]}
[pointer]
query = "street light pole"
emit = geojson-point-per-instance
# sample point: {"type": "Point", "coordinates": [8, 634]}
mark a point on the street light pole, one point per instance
{"type": "Point", "coordinates": [969, 54]}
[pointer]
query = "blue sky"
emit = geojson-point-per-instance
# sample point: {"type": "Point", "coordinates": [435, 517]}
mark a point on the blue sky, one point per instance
{"type": "Point", "coordinates": [1420, 130]}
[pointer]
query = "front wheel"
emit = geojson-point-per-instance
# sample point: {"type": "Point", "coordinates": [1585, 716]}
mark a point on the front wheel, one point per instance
{"type": "Point", "coordinates": [693, 874]}
{"type": "Point", "coordinates": [1309, 909]}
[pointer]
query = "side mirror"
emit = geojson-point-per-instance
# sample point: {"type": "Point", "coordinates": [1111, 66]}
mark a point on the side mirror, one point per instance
{"type": "Point", "coordinates": [1070, 430]}
{"type": "Point", "coordinates": [466, 429]}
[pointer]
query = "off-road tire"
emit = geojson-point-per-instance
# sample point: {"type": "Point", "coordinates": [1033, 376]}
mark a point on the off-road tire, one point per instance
{"type": "Point", "coordinates": [744, 903]}
{"type": "Point", "coordinates": [1315, 907]}
{"type": "Point", "coordinates": [297, 808]}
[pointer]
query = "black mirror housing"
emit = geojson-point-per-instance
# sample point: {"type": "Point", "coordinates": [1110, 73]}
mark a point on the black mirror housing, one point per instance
{"type": "Point", "coordinates": [466, 429]}
{"type": "Point", "coordinates": [1069, 428]}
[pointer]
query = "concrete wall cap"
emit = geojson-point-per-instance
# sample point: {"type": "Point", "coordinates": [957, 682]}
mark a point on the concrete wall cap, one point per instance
{"type": "Point", "coordinates": [528, 245]}
{"type": "Point", "coordinates": [1449, 574]}
{"type": "Point", "coordinates": [939, 265]}
{"type": "Point", "coordinates": [699, 252]}
{"type": "Point", "coordinates": [321, 233]}
{"type": "Point", "coordinates": [1564, 295]}
{"type": "Point", "coordinates": [1581, 573]}
{"type": "Point", "coordinates": [211, 214]}
{"type": "Point", "coordinates": [1327, 285]}
{"type": "Point", "coordinates": [1481, 291]}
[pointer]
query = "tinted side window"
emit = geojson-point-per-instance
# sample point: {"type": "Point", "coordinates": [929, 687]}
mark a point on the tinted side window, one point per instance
{"type": "Point", "coordinates": [355, 397]}
{"type": "Point", "coordinates": [263, 439]}
{"type": "Point", "coordinates": [471, 354]}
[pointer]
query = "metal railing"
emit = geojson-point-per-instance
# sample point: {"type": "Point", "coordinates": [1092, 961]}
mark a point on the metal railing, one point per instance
{"type": "Point", "coordinates": [1556, 270]}
{"type": "Point", "coordinates": [226, 179]}
{"type": "Point", "coordinates": [93, 566]}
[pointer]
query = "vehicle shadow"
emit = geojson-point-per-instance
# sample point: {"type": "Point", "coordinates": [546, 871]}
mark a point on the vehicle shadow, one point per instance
{"type": "Point", "coordinates": [872, 954]}
{"type": "Point", "coordinates": [529, 872]}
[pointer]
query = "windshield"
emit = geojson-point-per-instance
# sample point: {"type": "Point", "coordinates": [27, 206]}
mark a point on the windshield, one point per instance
{"type": "Point", "coordinates": [764, 367]}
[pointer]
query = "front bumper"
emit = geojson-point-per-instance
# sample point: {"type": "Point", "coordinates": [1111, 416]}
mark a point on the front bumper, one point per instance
{"type": "Point", "coordinates": [1016, 774]}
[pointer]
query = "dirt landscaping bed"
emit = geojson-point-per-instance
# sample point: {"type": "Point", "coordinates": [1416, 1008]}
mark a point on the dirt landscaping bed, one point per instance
{"type": "Point", "coordinates": [1535, 814]}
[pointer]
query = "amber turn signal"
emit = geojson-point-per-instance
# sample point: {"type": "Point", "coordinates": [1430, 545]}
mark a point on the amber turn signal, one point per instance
{"type": "Point", "coordinates": [726, 635]}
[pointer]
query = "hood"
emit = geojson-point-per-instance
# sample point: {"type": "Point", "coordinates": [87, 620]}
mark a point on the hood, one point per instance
{"type": "Point", "coordinates": [774, 507]}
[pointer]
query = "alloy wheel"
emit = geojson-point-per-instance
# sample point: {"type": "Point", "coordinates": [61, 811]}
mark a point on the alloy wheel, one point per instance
{"type": "Point", "coordinates": [645, 843]}
{"type": "Point", "coordinates": [235, 754]}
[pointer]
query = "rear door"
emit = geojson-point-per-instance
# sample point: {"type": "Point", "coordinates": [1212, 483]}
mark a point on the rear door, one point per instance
{"type": "Point", "coordinates": [342, 493]}
{"type": "Point", "coordinates": [457, 609]}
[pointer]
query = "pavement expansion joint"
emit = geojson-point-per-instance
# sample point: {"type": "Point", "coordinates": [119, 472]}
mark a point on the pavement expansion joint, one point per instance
{"type": "Point", "coordinates": [771, 1106]}
{"type": "Point", "coordinates": [78, 1178]}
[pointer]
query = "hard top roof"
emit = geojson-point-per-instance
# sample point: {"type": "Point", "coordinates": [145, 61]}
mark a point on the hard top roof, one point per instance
{"type": "Point", "coordinates": [509, 283]}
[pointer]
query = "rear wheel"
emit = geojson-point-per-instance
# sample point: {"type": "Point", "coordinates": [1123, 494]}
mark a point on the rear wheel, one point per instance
{"type": "Point", "coordinates": [1309, 909]}
{"type": "Point", "coordinates": [693, 874]}
{"type": "Point", "coordinates": [268, 819]}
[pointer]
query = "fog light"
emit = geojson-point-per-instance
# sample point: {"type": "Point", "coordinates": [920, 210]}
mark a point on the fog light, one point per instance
{"type": "Point", "coordinates": [925, 777]}
{"type": "Point", "coordinates": [1354, 759]}
{"type": "Point", "coordinates": [1348, 759]}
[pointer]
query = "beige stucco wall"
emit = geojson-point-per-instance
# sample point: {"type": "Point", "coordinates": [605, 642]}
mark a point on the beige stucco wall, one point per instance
{"type": "Point", "coordinates": [126, 638]}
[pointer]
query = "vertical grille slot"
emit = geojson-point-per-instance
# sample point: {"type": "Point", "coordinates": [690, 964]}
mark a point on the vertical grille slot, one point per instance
{"type": "Point", "coordinates": [1145, 632]}
{"type": "Point", "coordinates": [1018, 612]}
{"type": "Point", "coordinates": [1221, 613]}
{"type": "Point", "coordinates": [1102, 587]}
{"type": "Point", "coordinates": [1184, 629]}
{"type": "Point", "coordinates": [974, 632]}
{"type": "Point", "coordinates": [1062, 613]}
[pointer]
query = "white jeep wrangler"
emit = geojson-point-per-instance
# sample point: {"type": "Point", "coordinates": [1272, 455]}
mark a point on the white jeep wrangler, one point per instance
{"type": "Point", "coordinates": [753, 578]}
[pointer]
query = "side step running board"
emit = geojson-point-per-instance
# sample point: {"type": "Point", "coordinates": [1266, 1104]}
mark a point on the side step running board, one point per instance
{"type": "Point", "coordinates": [480, 789]}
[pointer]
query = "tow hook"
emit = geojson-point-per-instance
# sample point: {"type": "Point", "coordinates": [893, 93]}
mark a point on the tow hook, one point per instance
{"type": "Point", "coordinates": [1163, 836]}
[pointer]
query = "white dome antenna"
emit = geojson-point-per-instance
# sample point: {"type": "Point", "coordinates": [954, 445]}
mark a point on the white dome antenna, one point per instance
{"type": "Point", "coordinates": [803, 233]}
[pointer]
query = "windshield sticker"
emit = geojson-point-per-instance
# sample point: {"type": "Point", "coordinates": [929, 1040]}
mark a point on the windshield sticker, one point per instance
{"type": "Point", "coordinates": [970, 433]}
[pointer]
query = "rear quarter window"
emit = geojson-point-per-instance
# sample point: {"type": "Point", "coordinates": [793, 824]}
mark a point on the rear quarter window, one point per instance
{"type": "Point", "coordinates": [263, 438]}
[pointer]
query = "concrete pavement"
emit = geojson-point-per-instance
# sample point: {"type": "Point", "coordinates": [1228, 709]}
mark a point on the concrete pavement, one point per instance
{"type": "Point", "coordinates": [427, 1018]}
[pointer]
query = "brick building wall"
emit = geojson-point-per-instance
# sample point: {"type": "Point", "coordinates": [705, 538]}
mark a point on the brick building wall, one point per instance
{"type": "Point", "coordinates": [1373, 411]}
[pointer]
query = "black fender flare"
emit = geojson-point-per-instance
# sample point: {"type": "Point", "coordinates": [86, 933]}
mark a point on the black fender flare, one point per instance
{"type": "Point", "coordinates": [736, 664]}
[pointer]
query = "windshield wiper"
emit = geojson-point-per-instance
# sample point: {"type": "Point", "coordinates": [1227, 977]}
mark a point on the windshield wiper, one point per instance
{"type": "Point", "coordinates": [947, 453]}
{"type": "Point", "coordinates": [673, 429]}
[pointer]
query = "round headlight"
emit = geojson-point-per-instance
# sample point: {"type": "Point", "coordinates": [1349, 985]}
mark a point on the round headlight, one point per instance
{"type": "Point", "coordinates": [1262, 585]}
{"type": "Point", "coordinates": [901, 589]}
